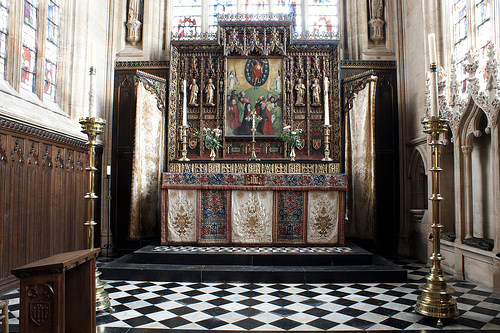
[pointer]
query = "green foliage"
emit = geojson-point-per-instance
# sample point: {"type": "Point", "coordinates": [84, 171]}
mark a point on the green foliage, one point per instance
{"type": "Point", "coordinates": [210, 137]}
{"type": "Point", "coordinates": [291, 138]}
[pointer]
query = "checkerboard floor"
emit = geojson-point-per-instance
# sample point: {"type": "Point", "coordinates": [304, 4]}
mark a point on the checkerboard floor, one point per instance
{"type": "Point", "coordinates": [251, 250]}
{"type": "Point", "coordinates": [232, 307]}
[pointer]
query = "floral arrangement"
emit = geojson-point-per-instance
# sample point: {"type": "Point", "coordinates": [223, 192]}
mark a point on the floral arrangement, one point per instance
{"type": "Point", "coordinates": [210, 137]}
{"type": "Point", "coordinates": [291, 138]}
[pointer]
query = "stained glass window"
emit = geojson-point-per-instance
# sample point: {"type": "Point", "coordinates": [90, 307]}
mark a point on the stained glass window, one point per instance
{"type": "Point", "coordinates": [219, 7]}
{"type": "Point", "coordinates": [187, 16]}
{"type": "Point", "coordinates": [255, 6]}
{"type": "Point", "coordinates": [483, 24]}
{"type": "Point", "coordinates": [323, 16]}
{"type": "Point", "coordinates": [28, 55]}
{"type": "Point", "coordinates": [461, 43]}
{"type": "Point", "coordinates": [290, 7]}
{"type": "Point", "coordinates": [51, 49]}
{"type": "Point", "coordinates": [4, 15]}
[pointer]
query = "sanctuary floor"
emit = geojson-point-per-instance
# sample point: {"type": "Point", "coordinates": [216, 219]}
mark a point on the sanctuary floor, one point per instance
{"type": "Point", "coordinates": [145, 307]}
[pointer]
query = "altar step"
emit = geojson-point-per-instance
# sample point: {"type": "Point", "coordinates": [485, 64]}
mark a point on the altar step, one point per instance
{"type": "Point", "coordinates": [253, 264]}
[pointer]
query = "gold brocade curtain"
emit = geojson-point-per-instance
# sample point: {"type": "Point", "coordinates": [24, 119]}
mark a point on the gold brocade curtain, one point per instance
{"type": "Point", "coordinates": [148, 159]}
{"type": "Point", "coordinates": [360, 161]}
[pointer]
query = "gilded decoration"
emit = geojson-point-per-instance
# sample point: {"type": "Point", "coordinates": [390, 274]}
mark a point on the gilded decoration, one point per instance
{"type": "Point", "coordinates": [319, 167]}
{"type": "Point", "coordinates": [254, 64]}
{"type": "Point", "coordinates": [323, 221]}
{"type": "Point", "coordinates": [252, 216]}
{"type": "Point", "coordinates": [182, 215]}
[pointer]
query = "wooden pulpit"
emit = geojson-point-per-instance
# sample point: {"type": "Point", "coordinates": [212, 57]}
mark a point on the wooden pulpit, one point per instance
{"type": "Point", "coordinates": [57, 294]}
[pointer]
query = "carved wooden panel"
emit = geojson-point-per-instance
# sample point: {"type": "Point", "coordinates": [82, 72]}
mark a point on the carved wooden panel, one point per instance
{"type": "Point", "coordinates": [42, 201]}
{"type": "Point", "coordinates": [306, 65]}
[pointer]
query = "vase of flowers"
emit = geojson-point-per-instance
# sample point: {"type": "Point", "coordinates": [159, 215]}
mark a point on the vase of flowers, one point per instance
{"type": "Point", "coordinates": [291, 139]}
{"type": "Point", "coordinates": [210, 138]}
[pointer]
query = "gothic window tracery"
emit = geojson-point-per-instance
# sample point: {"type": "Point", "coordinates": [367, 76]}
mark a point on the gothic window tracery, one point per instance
{"type": "Point", "coordinates": [52, 50]}
{"type": "Point", "coordinates": [472, 28]}
{"type": "Point", "coordinates": [187, 17]}
{"type": "Point", "coordinates": [318, 16]}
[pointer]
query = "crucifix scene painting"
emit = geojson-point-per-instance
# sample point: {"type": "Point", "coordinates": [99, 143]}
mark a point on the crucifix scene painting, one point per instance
{"type": "Point", "coordinates": [254, 86]}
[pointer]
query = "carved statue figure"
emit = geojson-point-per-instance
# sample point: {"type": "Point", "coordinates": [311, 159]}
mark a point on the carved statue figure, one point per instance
{"type": "Point", "coordinates": [376, 22]}
{"type": "Point", "coordinates": [134, 7]}
{"type": "Point", "coordinates": [301, 90]}
{"type": "Point", "coordinates": [133, 23]}
{"type": "Point", "coordinates": [377, 8]}
{"type": "Point", "coordinates": [193, 95]}
{"type": "Point", "coordinates": [210, 91]}
{"type": "Point", "coordinates": [278, 82]}
{"type": "Point", "coordinates": [316, 91]}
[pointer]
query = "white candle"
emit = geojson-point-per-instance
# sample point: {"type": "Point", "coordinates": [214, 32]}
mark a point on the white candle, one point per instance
{"type": "Point", "coordinates": [92, 94]}
{"type": "Point", "coordinates": [327, 111]}
{"type": "Point", "coordinates": [433, 93]}
{"type": "Point", "coordinates": [432, 48]}
{"type": "Point", "coordinates": [108, 170]}
{"type": "Point", "coordinates": [184, 106]}
{"type": "Point", "coordinates": [91, 54]}
{"type": "Point", "coordinates": [433, 83]}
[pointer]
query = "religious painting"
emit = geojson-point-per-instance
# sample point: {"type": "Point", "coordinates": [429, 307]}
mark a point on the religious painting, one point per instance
{"type": "Point", "coordinates": [254, 85]}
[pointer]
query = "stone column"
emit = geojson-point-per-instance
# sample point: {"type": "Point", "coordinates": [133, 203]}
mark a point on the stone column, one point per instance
{"type": "Point", "coordinates": [469, 228]}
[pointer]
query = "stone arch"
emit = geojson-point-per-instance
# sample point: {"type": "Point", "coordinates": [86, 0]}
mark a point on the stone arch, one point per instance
{"type": "Point", "coordinates": [417, 175]}
{"type": "Point", "coordinates": [474, 167]}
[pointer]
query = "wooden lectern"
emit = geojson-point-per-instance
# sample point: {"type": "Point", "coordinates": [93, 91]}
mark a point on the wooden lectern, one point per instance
{"type": "Point", "coordinates": [57, 294]}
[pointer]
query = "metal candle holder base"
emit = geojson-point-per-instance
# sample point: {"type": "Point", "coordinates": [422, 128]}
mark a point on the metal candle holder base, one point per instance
{"type": "Point", "coordinates": [183, 130]}
{"type": "Point", "coordinates": [435, 300]}
{"type": "Point", "coordinates": [254, 118]}
{"type": "Point", "coordinates": [93, 127]}
{"type": "Point", "coordinates": [327, 143]}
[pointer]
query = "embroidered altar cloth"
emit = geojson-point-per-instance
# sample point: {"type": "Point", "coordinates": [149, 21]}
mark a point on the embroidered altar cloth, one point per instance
{"type": "Point", "coordinates": [253, 209]}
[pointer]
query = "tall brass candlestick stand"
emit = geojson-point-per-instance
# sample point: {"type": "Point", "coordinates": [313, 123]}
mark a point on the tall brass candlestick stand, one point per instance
{"type": "Point", "coordinates": [327, 143]}
{"type": "Point", "coordinates": [435, 300]}
{"type": "Point", "coordinates": [93, 127]}
{"type": "Point", "coordinates": [253, 118]}
{"type": "Point", "coordinates": [183, 129]}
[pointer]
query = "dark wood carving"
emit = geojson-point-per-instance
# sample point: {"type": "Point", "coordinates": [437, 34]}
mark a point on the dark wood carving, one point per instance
{"type": "Point", "coordinates": [205, 57]}
{"type": "Point", "coordinates": [124, 110]}
{"type": "Point", "coordinates": [386, 144]}
{"type": "Point", "coordinates": [42, 201]}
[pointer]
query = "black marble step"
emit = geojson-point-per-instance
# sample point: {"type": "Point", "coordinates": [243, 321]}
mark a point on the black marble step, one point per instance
{"type": "Point", "coordinates": [265, 265]}
{"type": "Point", "coordinates": [350, 254]}
{"type": "Point", "coordinates": [381, 270]}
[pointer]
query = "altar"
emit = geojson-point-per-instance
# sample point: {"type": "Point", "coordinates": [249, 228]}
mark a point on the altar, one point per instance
{"type": "Point", "coordinates": [253, 209]}
{"type": "Point", "coordinates": [231, 175]}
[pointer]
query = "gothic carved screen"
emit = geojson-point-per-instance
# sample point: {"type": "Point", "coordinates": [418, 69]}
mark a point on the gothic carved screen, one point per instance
{"type": "Point", "coordinates": [254, 65]}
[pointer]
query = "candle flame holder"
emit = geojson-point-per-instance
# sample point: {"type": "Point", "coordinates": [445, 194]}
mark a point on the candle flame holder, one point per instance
{"type": "Point", "coordinates": [183, 134]}
{"type": "Point", "coordinates": [435, 300]}
{"type": "Point", "coordinates": [253, 118]}
{"type": "Point", "coordinates": [93, 127]}
{"type": "Point", "coordinates": [327, 143]}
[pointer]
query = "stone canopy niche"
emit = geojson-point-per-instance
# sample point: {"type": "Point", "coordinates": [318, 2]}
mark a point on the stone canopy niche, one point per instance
{"type": "Point", "coordinates": [255, 61]}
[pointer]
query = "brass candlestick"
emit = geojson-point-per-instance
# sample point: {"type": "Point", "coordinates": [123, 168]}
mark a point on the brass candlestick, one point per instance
{"type": "Point", "coordinates": [93, 127]}
{"type": "Point", "coordinates": [327, 143]}
{"type": "Point", "coordinates": [435, 300]}
{"type": "Point", "coordinates": [253, 118]}
{"type": "Point", "coordinates": [183, 130]}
